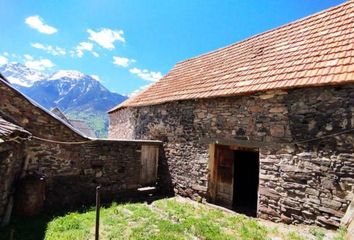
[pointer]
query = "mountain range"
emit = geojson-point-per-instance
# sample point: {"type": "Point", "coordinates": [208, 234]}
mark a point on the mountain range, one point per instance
{"type": "Point", "coordinates": [78, 95]}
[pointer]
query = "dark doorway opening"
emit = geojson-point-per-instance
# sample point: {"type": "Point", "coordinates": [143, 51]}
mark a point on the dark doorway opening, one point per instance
{"type": "Point", "coordinates": [246, 180]}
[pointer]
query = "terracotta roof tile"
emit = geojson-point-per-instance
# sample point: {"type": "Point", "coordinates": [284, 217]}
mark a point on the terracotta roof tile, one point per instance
{"type": "Point", "coordinates": [312, 51]}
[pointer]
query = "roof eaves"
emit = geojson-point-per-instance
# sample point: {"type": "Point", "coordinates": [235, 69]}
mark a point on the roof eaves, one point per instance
{"type": "Point", "coordinates": [138, 100]}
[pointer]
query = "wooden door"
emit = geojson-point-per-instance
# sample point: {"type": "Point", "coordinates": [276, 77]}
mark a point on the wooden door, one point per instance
{"type": "Point", "coordinates": [224, 187]}
{"type": "Point", "coordinates": [221, 176]}
{"type": "Point", "coordinates": [149, 164]}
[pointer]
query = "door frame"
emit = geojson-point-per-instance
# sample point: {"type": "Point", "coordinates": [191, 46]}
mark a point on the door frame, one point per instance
{"type": "Point", "coordinates": [213, 170]}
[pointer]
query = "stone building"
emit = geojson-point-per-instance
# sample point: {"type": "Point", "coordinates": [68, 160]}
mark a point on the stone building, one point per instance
{"type": "Point", "coordinates": [71, 163]}
{"type": "Point", "coordinates": [263, 126]}
{"type": "Point", "coordinates": [12, 142]}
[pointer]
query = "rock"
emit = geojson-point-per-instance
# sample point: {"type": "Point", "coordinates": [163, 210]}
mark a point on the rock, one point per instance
{"type": "Point", "coordinates": [328, 222]}
{"type": "Point", "coordinates": [269, 193]}
{"type": "Point", "coordinates": [277, 131]}
{"type": "Point", "coordinates": [266, 96]}
{"type": "Point", "coordinates": [99, 174]}
{"type": "Point", "coordinates": [329, 183]}
{"type": "Point", "coordinates": [285, 219]}
{"type": "Point", "coordinates": [331, 211]}
{"type": "Point", "coordinates": [268, 211]}
{"type": "Point", "coordinates": [312, 191]}
{"type": "Point", "coordinates": [278, 110]}
{"type": "Point", "coordinates": [331, 203]}
{"type": "Point", "coordinates": [200, 115]}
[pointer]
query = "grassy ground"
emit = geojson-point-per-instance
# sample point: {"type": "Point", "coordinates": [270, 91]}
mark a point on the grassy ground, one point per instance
{"type": "Point", "coordinates": [165, 219]}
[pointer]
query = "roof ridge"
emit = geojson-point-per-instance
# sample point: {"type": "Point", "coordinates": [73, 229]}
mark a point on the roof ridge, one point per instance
{"type": "Point", "coordinates": [267, 31]}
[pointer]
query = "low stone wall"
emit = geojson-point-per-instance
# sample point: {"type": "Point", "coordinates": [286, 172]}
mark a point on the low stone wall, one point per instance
{"type": "Point", "coordinates": [300, 182]}
{"type": "Point", "coordinates": [72, 172]}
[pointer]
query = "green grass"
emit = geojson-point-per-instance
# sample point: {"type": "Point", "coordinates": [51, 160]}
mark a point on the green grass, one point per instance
{"type": "Point", "coordinates": [164, 219]}
{"type": "Point", "coordinates": [341, 232]}
{"type": "Point", "coordinates": [318, 233]}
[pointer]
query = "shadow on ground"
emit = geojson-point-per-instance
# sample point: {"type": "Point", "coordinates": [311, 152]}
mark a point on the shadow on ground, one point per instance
{"type": "Point", "coordinates": [22, 228]}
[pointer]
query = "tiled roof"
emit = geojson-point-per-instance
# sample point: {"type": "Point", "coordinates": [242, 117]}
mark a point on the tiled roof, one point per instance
{"type": "Point", "coordinates": [8, 130]}
{"type": "Point", "coordinates": [79, 125]}
{"type": "Point", "coordinates": [60, 114]}
{"type": "Point", "coordinates": [313, 51]}
{"type": "Point", "coordinates": [82, 127]}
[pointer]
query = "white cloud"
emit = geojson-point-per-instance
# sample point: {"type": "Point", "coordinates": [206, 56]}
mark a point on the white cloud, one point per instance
{"type": "Point", "coordinates": [40, 65]}
{"type": "Point", "coordinates": [146, 74]}
{"type": "Point", "coordinates": [122, 61]}
{"type": "Point", "coordinates": [53, 50]}
{"type": "Point", "coordinates": [28, 57]}
{"type": "Point", "coordinates": [3, 60]}
{"type": "Point", "coordinates": [6, 54]}
{"type": "Point", "coordinates": [85, 46]}
{"type": "Point", "coordinates": [37, 23]}
{"type": "Point", "coordinates": [106, 37]}
{"type": "Point", "coordinates": [96, 77]}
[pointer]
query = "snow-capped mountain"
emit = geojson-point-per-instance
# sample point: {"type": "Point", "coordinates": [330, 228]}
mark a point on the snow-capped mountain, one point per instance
{"type": "Point", "coordinates": [69, 92]}
{"type": "Point", "coordinates": [67, 74]}
{"type": "Point", "coordinates": [78, 95]}
{"type": "Point", "coordinates": [21, 75]}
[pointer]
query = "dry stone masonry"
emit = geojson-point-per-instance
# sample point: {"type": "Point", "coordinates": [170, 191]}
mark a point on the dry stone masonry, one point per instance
{"type": "Point", "coordinates": [11, 161]}
{"type": "Point", "coordinates": [301, 180]}
{"type": "Point", "coordinates": [71, 170]}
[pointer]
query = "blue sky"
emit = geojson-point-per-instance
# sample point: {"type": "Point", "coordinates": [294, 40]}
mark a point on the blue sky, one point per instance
{"type": "Point", "coordinates": [129, 44]}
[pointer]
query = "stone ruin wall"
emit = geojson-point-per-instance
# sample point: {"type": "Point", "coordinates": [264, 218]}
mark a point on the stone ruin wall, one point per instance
{"type": "Point", "coordinates": [310, 182]}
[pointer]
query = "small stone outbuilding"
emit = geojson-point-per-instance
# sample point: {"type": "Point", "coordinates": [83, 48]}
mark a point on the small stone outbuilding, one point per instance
{"type": "Point", "coordinates": [263, 126]}
{"type": "Point", "coordinates": [71, 163]}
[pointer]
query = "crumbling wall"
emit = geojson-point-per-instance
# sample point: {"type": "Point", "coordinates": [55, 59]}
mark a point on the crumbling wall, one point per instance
{"type": "Point", "coordinates": [300, 182]}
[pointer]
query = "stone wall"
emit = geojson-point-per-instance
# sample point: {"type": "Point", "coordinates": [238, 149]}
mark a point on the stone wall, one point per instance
{"type": "Point", "coordinates": [71, 171]}
{"type": "Point", "coordinates": [11, 163]}
{"type": "Point", "coordinates": [125, 119]}
{"type": "Point", "coordinates": [300, 182]}
{"type": "Point", "coordinates": [34, 119]}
